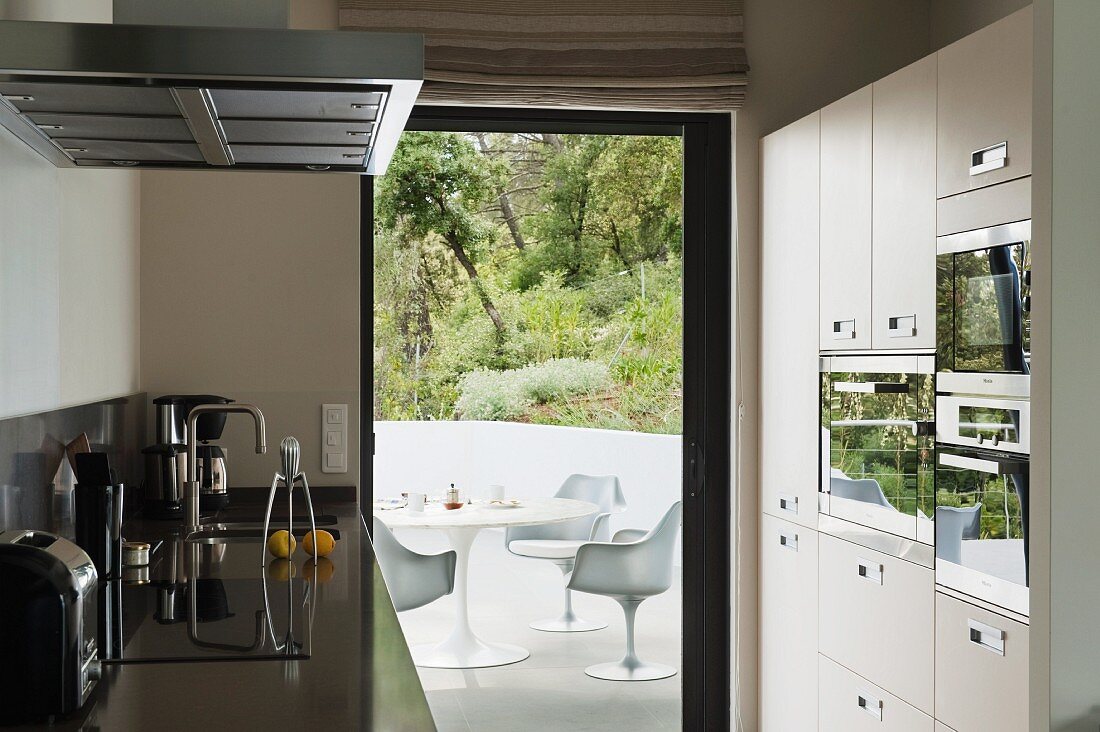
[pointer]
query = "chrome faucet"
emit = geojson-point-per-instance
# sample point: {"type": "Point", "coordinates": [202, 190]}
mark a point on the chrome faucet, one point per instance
{"type": "Point", "coordinates": [191, 487]}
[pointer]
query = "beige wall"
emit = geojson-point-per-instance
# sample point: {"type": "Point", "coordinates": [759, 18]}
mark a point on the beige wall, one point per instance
{"type": "Point", "coordinates": [68, 265]}
{"type": "Point", "coordinates": [1065, 502]}
{"type": "Point", "coordinates": [953, 19]}
{"type": "Point", "coordinates": [250, 290]}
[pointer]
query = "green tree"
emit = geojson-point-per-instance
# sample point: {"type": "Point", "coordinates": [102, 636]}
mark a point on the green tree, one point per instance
{"type": "Point", "coordinates": [437, 183]}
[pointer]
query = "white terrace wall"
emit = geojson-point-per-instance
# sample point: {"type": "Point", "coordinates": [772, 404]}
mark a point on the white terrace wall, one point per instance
{"type": "Point", "coordinates": [529, 460]}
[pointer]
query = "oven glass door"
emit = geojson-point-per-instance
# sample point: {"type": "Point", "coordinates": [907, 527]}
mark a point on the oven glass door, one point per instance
{"type": "Point", "coordinates": [982, 525]}
{"type": "Point", "coordinates": [983, 309]}
{"type": "Point", "coordinates": [880, 469]}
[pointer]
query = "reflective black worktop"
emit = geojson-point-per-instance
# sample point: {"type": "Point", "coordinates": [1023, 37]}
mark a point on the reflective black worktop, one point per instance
{"type": "Point", "coordinates": [225, 668]}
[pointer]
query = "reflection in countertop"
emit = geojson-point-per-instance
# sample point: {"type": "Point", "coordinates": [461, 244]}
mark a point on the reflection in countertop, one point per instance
{"type": "Point", "coordinates": [358, 673]}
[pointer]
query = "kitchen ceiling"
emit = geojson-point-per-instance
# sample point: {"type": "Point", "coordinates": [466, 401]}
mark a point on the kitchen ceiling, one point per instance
{"type": "Point", "coordinates": [96, 95]}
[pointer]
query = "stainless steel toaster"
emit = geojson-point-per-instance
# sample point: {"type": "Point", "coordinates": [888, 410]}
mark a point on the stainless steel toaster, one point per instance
{"type": "Point", "coordinates": [48, 626]}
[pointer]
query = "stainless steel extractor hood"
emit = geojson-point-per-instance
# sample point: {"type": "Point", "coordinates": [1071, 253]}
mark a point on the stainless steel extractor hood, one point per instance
{"type": "Point", "coordinates": [99, 95]}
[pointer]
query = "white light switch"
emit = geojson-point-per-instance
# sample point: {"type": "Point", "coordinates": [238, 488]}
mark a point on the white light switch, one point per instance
{"type": "Point", "coordinates": [334, 438]}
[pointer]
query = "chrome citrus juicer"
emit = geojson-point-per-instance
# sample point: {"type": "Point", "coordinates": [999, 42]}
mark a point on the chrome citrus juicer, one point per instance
{"type": "Point", "coordinates": [290, 452]}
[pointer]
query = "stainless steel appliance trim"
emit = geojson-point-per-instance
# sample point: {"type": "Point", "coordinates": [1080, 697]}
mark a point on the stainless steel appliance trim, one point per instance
{"type": "Point", "coordinates": [198, 112]}
{"type": "Point", "coordinates": [163, 55]}
{"type": "Point", "coordinates": [989, 158]}
{"type": "Point", "coordinates": [948, 427]}
{"type": "Point", "coordinates": [992, 465]}
{"type": "Point", "coordinates": [990, 384]}
{"type": "Point", "coordinates": [86, 49]}
{"type": "Point", "coordinates": [978, 602]}
{"type": "Point", "coordinates": [880, 541]}
{"type": "Point", "coordinates": [872, 515]}
{"type": "Point", "coordinates": [788, 539]}
{"type": "Point", "coordinates": [986, 636]}
{"type": "Point", "coordinates": [871, 387]}
{"type": "Point", "coordinates": [892, 364]}
{"type": "Point", "coordinates": [974, 584]}
{"type": "Point", "coordinates": [992, 236]}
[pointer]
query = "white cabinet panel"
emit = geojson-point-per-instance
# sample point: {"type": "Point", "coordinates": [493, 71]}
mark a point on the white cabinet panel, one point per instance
{"type": "Point", "coordinates": [845, 261]}
{"type": "Point", "coordinates": [981, 668]}
{"type": "Point", "coordinates": [877, 618]}
{"type": "Point", "coordinates": [788, 322]}
{"type": "Point", "coordinates": [788, 626]}
{"type": "Point", "coordinates": [985, 100]}
{"type": "Point", "coordinates": [849, 703]}
{"type": "Point", "coordinates": [903, 306]}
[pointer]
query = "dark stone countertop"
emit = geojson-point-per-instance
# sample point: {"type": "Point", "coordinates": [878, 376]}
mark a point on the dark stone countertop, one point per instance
{"type": "Point", "coordinates": [359, 674]}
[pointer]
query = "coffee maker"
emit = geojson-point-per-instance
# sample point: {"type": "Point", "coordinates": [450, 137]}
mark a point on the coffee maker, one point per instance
{"type": "Point", "coordinates": [166, 460]}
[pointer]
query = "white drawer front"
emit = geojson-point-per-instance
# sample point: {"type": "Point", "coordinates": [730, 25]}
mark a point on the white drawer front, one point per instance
{"type": "Point", "coordinates": [850, 703]}
{"type": "Point", "coordinates": [981, 668]}
{"type": "Point", "coordinates": [877, 618]}
{"type": "Point", "coordinates": [788, 626]}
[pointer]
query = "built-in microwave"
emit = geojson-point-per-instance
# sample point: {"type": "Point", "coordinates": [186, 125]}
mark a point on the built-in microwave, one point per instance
{"type": "Point", "coordinates": [983, 307]}
{"type": "Point", "coordinates": [878, 443]}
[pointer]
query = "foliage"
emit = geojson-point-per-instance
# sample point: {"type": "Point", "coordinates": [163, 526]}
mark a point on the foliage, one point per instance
{"type": "Point", "coordinates": [530, 277]}
{"type": "Point", "coordinates": [507, 394]}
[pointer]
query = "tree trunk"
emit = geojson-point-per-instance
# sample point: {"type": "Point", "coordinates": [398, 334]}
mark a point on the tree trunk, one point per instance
{"type": "Point", "coordinates": [505, 201]}
{"type": "Point", "coordinates": [471, 272]}
{"type": "Point", "coordinates": [617, 243]}
{"type": "Point", "coordinates": [578, 230]}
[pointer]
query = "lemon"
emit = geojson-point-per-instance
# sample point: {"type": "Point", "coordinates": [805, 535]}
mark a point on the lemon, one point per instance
{"type": "Point", "coordinates": [324, 567]}
{"type": "Point", "coordinates": [324, 544]}
{"type": "Point", "coordinates": [277, 544]}
{"type": "Point", "coordinates": [281, 569]}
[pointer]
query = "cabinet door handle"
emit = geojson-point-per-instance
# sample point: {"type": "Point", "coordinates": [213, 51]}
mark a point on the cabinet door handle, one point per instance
{"type": "Point", "coordinates": [870, 571]}
{"type": "Point", "coordinates": [992, 465]}
{"type": "Point", "coordinates": [789, 540]}
{"type": "Point", "coordinates": [844, 330]}
{"type": "Point", "coordinates": [902, 326]}
{"type": "Point", "coordinates": [788, 503]}
{"type": "Point", "coordinates": [989, 158]}
{"type": "Point", "coordinates": [871, 705]}
{"type": "Point", "coordinates": [872, 387]}
{"type": "Point", "coordinates": [986, 636]}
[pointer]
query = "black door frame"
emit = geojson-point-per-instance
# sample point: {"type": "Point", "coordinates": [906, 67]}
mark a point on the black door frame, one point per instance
{"type": "Point", "coordinates": [707, 366]}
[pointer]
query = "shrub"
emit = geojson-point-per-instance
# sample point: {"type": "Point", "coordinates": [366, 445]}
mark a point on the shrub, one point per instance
{"type": "Point", "coordinates": [502, 395]}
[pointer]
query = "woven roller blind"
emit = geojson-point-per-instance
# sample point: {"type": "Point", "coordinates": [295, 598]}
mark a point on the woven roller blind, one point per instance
{"type": "Point", "coordinates": [684, 55]}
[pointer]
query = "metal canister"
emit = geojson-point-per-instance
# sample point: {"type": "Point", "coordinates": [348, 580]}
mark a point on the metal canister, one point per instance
{"type": "Point", "coordinates": [135, 553]}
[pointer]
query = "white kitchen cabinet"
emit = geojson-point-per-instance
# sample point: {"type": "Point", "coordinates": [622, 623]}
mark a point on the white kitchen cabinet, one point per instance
{"type": "Point", "coordinates": [845, 258]}
{"type": "Point", "coordinates": [877, 618]}
{"type": "Point", "coordinates": [981, 668]}
{"type": "Point", "coordinates": [788, 626]}
{"type": "Point", "coordinates": [789, 420]}
{"type": "Point", "coordinates": [849, 703]}
{"type": "Point", "coordinates": [903, 249]}
{"type": "Point", "coordinates": [985, 83]}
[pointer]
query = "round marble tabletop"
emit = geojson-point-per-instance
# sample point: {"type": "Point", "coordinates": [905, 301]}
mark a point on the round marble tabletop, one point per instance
{"type": "Point", "coordinates": [529, 512]}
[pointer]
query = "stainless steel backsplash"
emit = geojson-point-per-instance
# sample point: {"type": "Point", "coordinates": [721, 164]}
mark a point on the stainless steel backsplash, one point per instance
{"type": "Point", "coordinates": [36, 482]}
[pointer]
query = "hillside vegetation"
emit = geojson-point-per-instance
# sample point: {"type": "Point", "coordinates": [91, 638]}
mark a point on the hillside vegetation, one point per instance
{"type": "Point", "coordinates": [531, 278]}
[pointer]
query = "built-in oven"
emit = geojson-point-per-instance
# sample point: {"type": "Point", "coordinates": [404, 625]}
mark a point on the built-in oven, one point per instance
{"type": "Point", "coordinates": [982, 511]}
{"type": "Point", "coordinates": [983, 309]}
{"type": "Point", "coordinates": [878, 443]}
